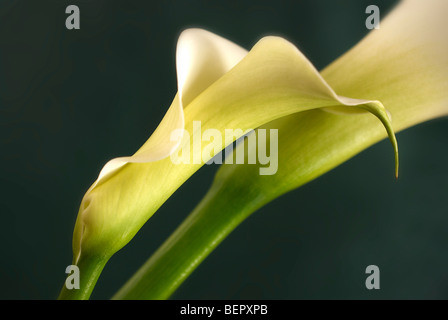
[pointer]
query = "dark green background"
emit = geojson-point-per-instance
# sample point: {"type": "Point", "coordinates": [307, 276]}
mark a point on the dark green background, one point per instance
{"type": "Point", "coordinates": [71, 100]}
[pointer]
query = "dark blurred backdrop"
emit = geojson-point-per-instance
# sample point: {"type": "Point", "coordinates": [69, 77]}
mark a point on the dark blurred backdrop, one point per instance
{"type": "Point", "coordinates": [71, 100]}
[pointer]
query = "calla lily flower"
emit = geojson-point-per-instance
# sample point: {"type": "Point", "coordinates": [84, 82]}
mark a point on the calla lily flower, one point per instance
{"type": "Point", "coordinates": [404, 64]}
{"type": "Point", "coordinates": [222, 86]}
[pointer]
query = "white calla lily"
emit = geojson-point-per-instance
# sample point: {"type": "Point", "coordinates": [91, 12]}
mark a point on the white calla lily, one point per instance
{"type": "Point", "coordinates": [404, 64]}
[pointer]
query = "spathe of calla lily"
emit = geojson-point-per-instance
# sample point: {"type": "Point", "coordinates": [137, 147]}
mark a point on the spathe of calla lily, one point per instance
{"type": "Point", "coordinates": [223, 87]}
{"type": "Point", "coordinates": [404, 64]}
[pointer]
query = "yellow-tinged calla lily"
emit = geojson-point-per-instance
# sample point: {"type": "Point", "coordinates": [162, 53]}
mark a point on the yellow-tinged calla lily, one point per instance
{"type": "Point", "coordinates": [224, 87]}
{"type": "Point", "coordinates": [404, 64]}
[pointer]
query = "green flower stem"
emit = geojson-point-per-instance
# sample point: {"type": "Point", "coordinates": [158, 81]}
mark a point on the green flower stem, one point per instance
{"type": "Point", "coordinates": [322, 141]}
{"type": "Point", "coordinates": [189, 245]}
{"type": "Point", "coordinates": [90, 269]}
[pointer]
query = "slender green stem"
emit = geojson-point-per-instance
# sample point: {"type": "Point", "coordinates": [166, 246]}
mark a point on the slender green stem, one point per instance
{"type": "Point", "coordinates": [188, 246]}
{"type": "Point", "coordinates": [326, 140]}
{"type": "Point", "coordinates": [89, 271]}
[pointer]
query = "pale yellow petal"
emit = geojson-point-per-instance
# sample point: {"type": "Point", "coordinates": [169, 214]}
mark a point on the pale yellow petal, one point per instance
{"type": "Point", "coordinates": [273, 80]}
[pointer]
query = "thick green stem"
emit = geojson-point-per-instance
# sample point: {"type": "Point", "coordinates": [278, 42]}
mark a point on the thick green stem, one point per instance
{"type": "Point", "coordinates": [89, 271]}
{"type": "Point", "coordinates": [231, 200]}
{"type": "Point", "coordinates": [326, 140]}
{"type": "Point", "coordinates": [188, 246]}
